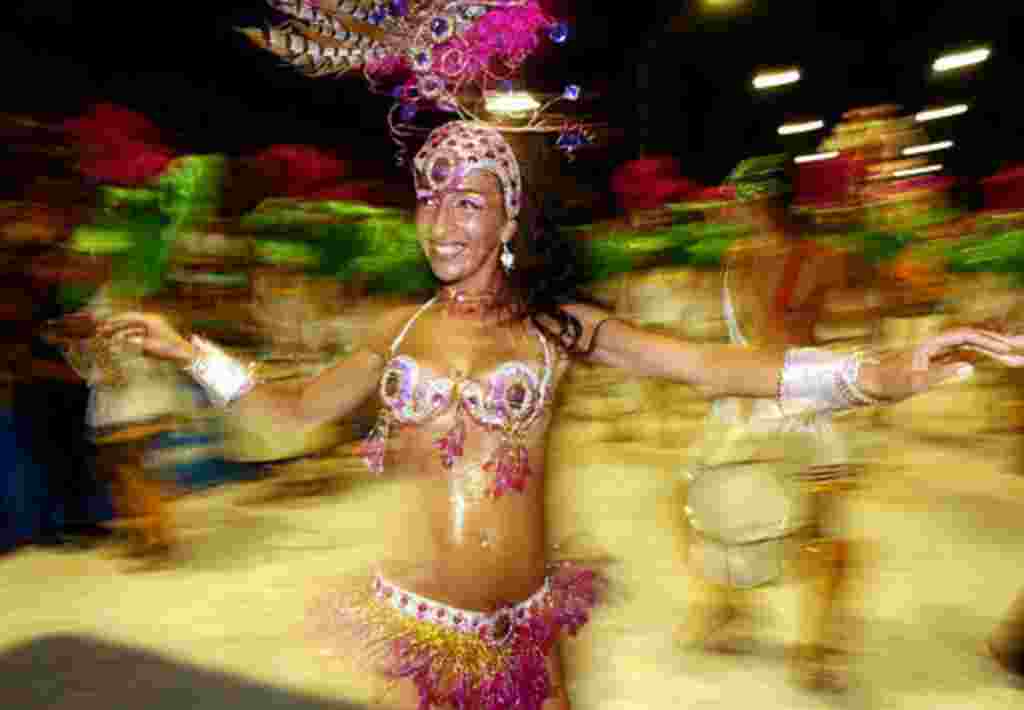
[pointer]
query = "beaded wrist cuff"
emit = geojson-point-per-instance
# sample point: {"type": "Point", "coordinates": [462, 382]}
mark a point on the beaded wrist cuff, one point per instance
{"type": "Point", "coordinates": [222, 377]}
{"type": "Point", "coordinates": [815, 380]}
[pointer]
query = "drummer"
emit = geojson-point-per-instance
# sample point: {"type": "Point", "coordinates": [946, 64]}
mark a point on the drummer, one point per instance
{"type": "Point", "coordinates": [778, 287]}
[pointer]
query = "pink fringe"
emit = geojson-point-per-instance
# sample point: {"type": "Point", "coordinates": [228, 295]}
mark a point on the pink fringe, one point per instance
{"type": "Point", "coordinates": [525, 682]}
{"type": "Point", "coordinates": [522, 681]}
{"type": "Point", "coordinates": [452, 445]}
{"type": "Point", "coordinates": [510, 465]}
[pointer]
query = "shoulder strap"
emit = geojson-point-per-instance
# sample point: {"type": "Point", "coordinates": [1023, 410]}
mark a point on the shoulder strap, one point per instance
{"type": "Point", "coordinates": [791, 275]}
{"type": "Point", "coordinates": [735, 334]}
{"type": "Point", "coordinates": [408, 324]}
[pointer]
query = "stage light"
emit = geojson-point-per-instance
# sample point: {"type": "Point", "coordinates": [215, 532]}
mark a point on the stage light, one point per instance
{"type": "Point", "coordinates": [815, 157]}
{"type": "Point", "coordinates": [910, 172]}
{"type": "Point", "coordinates": [959, 60]}
{"type": "Point", "coordinates": [788, 129]}
{"type": "Point", "coordinates": [768, 80]}
{"type": "Point", "coordinates": [927, 148]}
{"type": "Point", "coordinates": [936, 113]}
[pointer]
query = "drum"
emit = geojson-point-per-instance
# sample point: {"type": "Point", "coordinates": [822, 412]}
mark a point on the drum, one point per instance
{"type": "Point", "coordinates": [746, 501]}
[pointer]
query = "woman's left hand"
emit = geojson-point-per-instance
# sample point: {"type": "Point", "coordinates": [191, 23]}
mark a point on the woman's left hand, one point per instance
{"type": "Point", "coordinates": [901, 374]}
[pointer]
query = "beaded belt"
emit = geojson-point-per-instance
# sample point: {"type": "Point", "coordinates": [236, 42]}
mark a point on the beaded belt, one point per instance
{"type": "Point", "coordinates": [496, 626]}
{"type": "Point", "coordinates": [824, 475]}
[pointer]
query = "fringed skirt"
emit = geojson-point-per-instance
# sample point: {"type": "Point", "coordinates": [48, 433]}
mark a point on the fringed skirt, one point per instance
{"type": "Point", "coordinates": [460, 658]}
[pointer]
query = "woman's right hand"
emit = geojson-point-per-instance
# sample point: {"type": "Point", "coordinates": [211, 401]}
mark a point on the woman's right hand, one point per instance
{"type": "Point", "coordinates": [152, 332]}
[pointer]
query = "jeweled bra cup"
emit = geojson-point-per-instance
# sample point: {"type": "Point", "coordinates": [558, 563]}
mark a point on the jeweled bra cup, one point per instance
{"type": "Point", "coordinates": [514, 398]}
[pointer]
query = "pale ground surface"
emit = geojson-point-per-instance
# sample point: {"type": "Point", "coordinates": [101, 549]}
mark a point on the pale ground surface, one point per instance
{"type": "Point", "coordinates": [943, 504]}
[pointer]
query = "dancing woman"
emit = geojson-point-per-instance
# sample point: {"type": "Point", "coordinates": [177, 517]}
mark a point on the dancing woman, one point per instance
{"type": "Point", "coordinates": [466, 383]}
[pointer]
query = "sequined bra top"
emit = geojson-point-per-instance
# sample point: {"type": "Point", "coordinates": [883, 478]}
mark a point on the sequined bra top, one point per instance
{"type": "Point", "coordinates": [509, 400]}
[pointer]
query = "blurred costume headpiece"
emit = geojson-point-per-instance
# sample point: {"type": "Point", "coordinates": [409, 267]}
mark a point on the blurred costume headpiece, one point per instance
{"type": "Point", "coordinates": [455, 149]}
{"type": "Point", "coordinates": [763, 177]}
{"type": "Point", "coordinates": [446, 55]}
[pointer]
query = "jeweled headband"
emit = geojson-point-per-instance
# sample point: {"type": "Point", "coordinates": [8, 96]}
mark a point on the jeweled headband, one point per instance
{"type": "Point", "coordinates": [428, 54]}
{"type": "Point", "coordinates": [456, 149]}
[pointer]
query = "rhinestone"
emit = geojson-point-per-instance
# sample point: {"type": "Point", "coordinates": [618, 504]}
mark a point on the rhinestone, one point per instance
{"type": "Point", "coordinates": [440, 27]}
{"type": "Point", "coordinates": [404, 600]}
{"type": "Point", "coordinates": [421, 60]}
{"type": "Point", "coordinates": [571, 92]}
{"type": "Point", "coordinates": [407, 112]}
{"type": "Point", "coordinates": [440, 613]}
{"type": "Point", "coordinates": [559, 33]}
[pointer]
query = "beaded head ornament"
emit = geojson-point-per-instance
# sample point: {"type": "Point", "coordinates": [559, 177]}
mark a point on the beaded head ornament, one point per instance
{"type": "Point", "coordinates": [460, 147]}
{"type": "Point", "coordinates": [447, 55]}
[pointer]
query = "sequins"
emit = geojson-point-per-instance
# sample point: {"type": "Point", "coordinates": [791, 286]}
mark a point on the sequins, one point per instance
{"type": "Point", "coordinates": [559, 32]}
{"type": "Point", "coordinates": [410, 401]}
{"type": "Point", "coordinates": [441, 28]}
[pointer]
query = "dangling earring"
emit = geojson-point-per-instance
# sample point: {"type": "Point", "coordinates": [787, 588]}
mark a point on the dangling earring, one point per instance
{"type": "Point", "coordinates": [508, 259]}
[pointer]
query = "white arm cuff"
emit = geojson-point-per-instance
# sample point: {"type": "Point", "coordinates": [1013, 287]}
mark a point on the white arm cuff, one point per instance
{"type": "Point", "coordinates": [222, 377]}
{"type": "Point", "coordinates": [816, 380]}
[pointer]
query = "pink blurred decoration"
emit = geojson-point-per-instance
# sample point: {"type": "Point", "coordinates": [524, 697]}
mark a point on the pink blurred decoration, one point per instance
{"type": "Point", "coordinates": [827, 184]}
{"type": "Point", "coordinates": [299, 170]}
{"type": "Point", "coordinates": [118, 145]}
{"type": "Point", "coordinates": [1004, 191]}
{"type": "Point", "coordinates": [649, 183]}
{"type": "Point", "coordinates": [717, 193]}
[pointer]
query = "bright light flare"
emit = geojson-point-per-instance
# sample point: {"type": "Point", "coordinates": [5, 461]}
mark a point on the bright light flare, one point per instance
{"type": "Point", "coordinates": [768, 80]}
{"type": "Point", "coordinates": [927, 148]}
{"type": "Point", "coordinates": [959, 60]}
{"type": "Point", "coordinates": [511, 102]}
{"type": "Point", "coordinates": [937, 113]}
{"type": "Point", "coordinates": [788, 129]}
{"type": "Point", "coordinates": [911, 172]}
{"type": "Point", "coordinates": [815, 157]}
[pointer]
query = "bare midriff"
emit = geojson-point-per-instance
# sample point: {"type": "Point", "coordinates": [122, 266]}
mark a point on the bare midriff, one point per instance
{"type": "Point", "coordinates": [459, 545]}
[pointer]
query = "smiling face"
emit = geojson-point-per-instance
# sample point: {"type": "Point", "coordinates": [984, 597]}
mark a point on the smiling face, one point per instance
{"type": "Point", "coordinates": [461, 230]}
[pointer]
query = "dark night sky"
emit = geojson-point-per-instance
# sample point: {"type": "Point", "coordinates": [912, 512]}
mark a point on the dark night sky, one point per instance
{"type": "Point", "coordinates": [184, 66]}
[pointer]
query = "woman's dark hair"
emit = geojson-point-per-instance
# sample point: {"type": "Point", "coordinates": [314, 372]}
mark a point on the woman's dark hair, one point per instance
{"type": "Point", "coordinates": [548, 272]}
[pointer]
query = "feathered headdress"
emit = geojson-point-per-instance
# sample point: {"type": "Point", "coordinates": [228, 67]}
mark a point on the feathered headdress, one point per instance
{"type": "Point", "coordinates": [447, 55]}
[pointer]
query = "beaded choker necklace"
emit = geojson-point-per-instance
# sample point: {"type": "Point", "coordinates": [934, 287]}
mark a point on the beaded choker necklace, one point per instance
{"type": "Point", "coordinates": [464, 303]}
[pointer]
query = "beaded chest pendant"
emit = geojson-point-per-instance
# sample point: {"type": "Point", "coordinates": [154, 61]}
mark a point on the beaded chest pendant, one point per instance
{"type": "Point", "coordinates": [510, 401]}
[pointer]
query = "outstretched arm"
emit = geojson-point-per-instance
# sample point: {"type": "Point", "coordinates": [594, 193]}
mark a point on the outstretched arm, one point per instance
{"type": "Point", "coordinates": [333, 394]}
{"type": "Point", "coordinates": [731, 370]}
